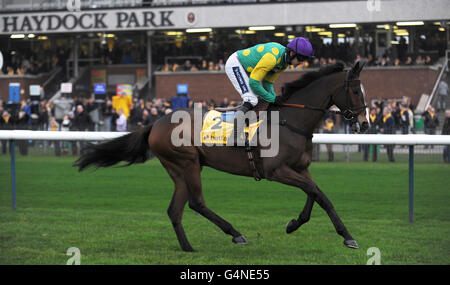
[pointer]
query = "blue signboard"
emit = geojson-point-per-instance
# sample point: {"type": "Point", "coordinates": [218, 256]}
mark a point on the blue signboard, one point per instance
{"type": "Point", "coordinates": [100, 88]}
{"type": "Point", "coordinates": [182, 88]}
{"type": "Point", "coordinates": [14, 92]}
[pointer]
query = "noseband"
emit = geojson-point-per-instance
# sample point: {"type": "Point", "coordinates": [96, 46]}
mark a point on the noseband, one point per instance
{"type": "Point", "coordinates": [349, 113]}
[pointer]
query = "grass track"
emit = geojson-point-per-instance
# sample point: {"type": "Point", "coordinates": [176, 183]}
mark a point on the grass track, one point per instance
{"type": "Point", "coordinates": [118, 215]}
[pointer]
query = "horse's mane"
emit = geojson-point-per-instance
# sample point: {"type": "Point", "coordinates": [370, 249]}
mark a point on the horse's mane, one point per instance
{"type": "Point", "coordinates": [290, 87]}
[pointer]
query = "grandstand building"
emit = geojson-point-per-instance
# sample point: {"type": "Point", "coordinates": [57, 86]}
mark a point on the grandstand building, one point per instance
{"type": "Point", "coordinates": [147, 43]}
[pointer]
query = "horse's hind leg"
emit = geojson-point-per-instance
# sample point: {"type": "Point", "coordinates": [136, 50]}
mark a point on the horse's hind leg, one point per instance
{"type": "Point", "coordinates": [197, 203]}
{"type": "Point", "coordinates": [176, 207]}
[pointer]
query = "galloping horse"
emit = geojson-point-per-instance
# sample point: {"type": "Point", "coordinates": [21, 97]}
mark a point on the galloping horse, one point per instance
{"type": "Point", "coordinates": [306, 101]}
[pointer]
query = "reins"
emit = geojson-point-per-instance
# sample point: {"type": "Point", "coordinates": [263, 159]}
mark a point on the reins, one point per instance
{"type": "Point", "coordinates": [348, 113]}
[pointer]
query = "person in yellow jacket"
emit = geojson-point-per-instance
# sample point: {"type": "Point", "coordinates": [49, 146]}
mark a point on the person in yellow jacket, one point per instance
{"type": "Point", "coordinates": [122, 101]}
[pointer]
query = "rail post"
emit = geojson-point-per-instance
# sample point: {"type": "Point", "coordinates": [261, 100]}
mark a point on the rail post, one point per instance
{"type": "Point", "coordinates": [411, 183]}
{"type": "Point", "coordinates": [13, 173]}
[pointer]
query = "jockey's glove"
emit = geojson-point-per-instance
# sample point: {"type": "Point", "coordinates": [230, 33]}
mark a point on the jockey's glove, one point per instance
{"type": "Point", "coordinates": [279, 100]}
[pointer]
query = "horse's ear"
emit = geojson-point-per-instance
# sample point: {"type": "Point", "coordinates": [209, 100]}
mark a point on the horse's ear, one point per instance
{"type": "Point", "coordinates": [358, 67]}
{"type": "Point", "coordinates": [355, 69]}
{"type": "Point", "coordinates": [361, 66]}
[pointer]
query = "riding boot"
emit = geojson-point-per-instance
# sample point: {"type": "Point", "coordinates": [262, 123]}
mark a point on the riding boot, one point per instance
{"type": "Point", "coordinates": [245, 107]}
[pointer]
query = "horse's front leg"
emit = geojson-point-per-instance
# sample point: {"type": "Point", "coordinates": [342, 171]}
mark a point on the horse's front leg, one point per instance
{"type": "Point", "coordinates": [303, 218]}
{"type": "Point", "coordinates": [305, 215]}
{"type": "Point", "coordinates": [288, 176]}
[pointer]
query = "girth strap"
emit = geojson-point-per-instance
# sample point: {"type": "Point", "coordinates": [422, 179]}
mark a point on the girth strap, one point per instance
{"type": "Point", "coordinates": [284, 123]}
{"type": "Point", "coordinates": [251, 159]}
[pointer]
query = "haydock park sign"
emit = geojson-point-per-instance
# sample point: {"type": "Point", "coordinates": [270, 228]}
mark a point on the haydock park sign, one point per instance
{"type": "Point", "coordinates": [96, 20]}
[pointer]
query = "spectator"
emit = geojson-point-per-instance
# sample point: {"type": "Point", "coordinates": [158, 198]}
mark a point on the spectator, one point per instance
{"type": "Point", "coordinates": [188, 66]}
{"type": "Point", "coordinates": [22, 124]}
{"type": "Point", "coordinates": [374, 128]}
{"type": "Point", "coordinates": [224, 103]}
{"type": "Point", "coordinates": [404, 119]}
{"type": "Point", "coordinates": [204, 65]}
{"type": "Point", "coordinates": [121, 122]}
{"type": "Point", "coordinates": [6, 123]}
{"type": "Point", "coordinates": [409, 61]}
{"type": "Point", "coordinates": [73, 127]}
{"type": "Point", "coordinates": [65, 127]}
{"type": "Point", "coordinates": [430, 121]}
{"type": "Point", "coordinates": [122, 101]}
{"type": "Point", "coordinates": [328, 128]}
{"type": "Point", "coordinates": [442, 95]}
{"type": "Point", "coordinates": [53, 126]}
{"type": "Point", "coordinates": [107, 112]}
{"type": "Point", "coordinates": [145, 120]}
{"type": "Point", "coordinates": [212, 66]}
{"type": "Point", "coordinates": [154, 115]}
{"type": "Point", "coordinates": [388, 127]}
{"type": "Point", "coordinates": [62, 106]}
{"type": "Point", "coordinates": [82, 121]}
{"type": "Point", "coordinates": [420, 60]}
{"type": "Point", "coordinates": [446, 131]}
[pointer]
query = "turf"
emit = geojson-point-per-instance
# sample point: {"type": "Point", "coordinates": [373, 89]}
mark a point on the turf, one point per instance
{"type": "Point", "coordinates": [119, 215]}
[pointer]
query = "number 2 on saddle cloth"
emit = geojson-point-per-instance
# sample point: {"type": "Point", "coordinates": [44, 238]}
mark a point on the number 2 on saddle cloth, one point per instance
{"type": "Point", "coordinates": [218, 129]}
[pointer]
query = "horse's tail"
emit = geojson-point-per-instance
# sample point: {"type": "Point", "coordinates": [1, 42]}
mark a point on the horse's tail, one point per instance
{"type": "Point", "coordinates": [132, 148]}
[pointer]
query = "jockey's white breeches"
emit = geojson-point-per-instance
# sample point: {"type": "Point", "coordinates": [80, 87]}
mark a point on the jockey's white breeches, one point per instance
{"type": "Point", "coordinates": [239, 78]}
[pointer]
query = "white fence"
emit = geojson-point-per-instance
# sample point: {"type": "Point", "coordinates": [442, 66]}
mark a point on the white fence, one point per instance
{"type": "Point", "coordinates": [410, 140]}
{"type": "Point", "coordinates": [318, 138]}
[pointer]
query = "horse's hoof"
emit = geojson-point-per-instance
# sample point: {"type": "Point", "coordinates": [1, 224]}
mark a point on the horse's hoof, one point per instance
{"type": "Point", "coordinates": [351, 243]}
{"type": "Point", "coordinates": [291, 226]}
{"type": "Point", "coordinates": [189, 249]}
{"type": "Point", "coordinates": [240, 240]}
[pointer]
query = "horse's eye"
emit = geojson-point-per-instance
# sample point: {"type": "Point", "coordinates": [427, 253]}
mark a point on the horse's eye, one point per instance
{"type": "Point", "coordinates": [355, 92]}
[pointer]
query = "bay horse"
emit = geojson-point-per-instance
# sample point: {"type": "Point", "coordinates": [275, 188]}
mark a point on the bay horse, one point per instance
{"type": "Point", "coordinates": [306, 101]}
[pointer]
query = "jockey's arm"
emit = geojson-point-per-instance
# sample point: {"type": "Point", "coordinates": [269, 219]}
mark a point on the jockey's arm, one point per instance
{"type": "Point", "coordinates": [259, 74]}
{"type": "Point", "coordinates": [270, 79]}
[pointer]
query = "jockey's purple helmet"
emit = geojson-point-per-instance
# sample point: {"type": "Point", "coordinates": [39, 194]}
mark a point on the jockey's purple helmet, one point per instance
{"type": "Point", "coordinates": [301, 46]}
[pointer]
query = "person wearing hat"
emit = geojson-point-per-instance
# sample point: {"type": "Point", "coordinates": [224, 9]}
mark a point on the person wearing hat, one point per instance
{"type": "Point", "coordinates": [253, 71]}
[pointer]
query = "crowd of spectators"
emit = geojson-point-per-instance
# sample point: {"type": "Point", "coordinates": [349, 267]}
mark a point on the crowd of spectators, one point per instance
{"type": "Point", "coordinates": [78, 114]}
{"type": "Point", "coordinates": [81, 114]}
{"type": "Point", "coordinates": [205, 65]}
{"type": "Point", "coordinates": [205, 55]}
{"type": "Point", "coordinates": [389, 116]}
{"type": "Point", "coordinates": [33, 62]}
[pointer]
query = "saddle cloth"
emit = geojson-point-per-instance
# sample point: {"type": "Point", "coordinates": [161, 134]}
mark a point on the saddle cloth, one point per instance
{"type": "Point", "coordinates": [218, 128]}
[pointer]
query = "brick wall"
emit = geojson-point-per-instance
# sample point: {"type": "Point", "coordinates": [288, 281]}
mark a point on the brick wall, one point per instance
{"type": "Point", "coordinates": [378, 82]}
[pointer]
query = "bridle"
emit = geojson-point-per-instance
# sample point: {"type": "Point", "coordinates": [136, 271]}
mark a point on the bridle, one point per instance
{"type": "Point", "coordinates": [348, 113]}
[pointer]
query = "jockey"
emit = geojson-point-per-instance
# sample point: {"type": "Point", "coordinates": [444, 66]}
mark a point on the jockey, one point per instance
{"type": "Point", "coordinates": [254, 70]}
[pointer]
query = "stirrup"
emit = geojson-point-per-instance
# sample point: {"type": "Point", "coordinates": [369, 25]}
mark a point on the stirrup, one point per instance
{"type": "Point", "coordinates": [246, 106]}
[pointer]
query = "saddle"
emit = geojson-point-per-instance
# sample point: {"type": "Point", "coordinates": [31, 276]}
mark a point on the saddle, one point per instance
{"type": "Point", "coordinates": [219, 127]}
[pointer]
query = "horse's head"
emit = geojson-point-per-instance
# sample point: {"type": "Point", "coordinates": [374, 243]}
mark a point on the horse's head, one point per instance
{"type": "Point", "coordinates": [351, 100]}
